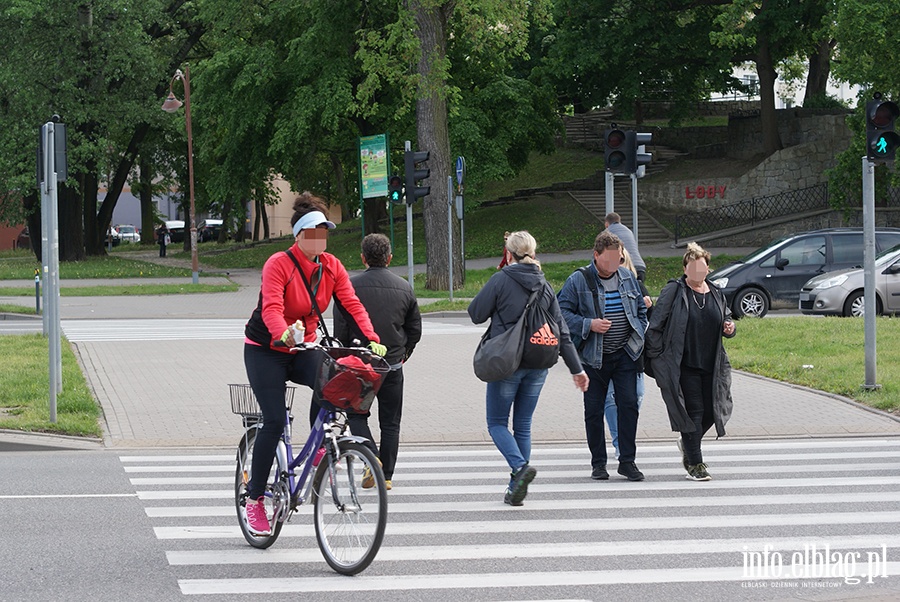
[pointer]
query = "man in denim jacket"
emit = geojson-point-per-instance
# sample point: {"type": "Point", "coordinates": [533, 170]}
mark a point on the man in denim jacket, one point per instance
{"type": "Point", "coordinates": [609, 331]}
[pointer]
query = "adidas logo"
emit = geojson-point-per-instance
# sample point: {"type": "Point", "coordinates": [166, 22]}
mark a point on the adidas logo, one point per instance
{"type": "Point", "coordinates": [544, 336]}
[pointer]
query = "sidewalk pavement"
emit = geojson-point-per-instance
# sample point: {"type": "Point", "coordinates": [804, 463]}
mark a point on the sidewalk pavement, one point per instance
{"type": "Point", "coordinates": [173, 393]}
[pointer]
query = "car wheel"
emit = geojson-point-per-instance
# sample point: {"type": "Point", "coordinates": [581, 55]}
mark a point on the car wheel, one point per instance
{"type": "Point", "coordinates": [751, 302]}
{"type": "Point", "coordinates": [855, 305]}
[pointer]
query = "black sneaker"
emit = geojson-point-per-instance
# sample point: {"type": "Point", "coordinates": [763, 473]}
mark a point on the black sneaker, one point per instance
{"type": "Point", "coordinates": [599, 474]}
{"type": "Point", "coordinates": [507, 499]}
{"type": "Point", "coordinates": [697, 472]}
{"type": "Point", "coordinates": [630, 471]}
{"type": "Point", "coordinates": [521, 479]}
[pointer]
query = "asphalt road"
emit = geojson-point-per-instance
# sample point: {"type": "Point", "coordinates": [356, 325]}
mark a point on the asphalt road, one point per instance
{"type": "Point", "coordinates": [149, 524]}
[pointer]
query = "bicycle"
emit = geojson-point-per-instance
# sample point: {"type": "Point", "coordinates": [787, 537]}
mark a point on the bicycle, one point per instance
{"type": "Point", "coordinates": [349, 517]}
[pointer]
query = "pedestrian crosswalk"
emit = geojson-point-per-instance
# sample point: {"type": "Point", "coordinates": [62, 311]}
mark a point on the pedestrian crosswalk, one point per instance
{"type": "Point", "coordinates": [785, 514]}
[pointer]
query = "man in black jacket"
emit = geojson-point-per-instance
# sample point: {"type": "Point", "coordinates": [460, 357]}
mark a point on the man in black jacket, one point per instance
{"type": "Point", "coordinates": [394, 312]}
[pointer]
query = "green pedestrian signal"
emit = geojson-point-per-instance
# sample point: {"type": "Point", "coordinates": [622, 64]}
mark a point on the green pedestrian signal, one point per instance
{"type": "Point", "coordinates": [395, 189]}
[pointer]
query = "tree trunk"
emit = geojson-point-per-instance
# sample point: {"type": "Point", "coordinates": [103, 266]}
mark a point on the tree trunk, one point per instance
{"type": "Point", "coordinates": [93, 237]}
{"type": "Point", "coordinates": [70, 218]}
{"type": "Point", "coordinates": [768, 118]}
{"type": "Point", "coordinates": [433, 136]}
{"type": "Point", "coordinates": [819, 70]}
{"type": "Point", "coordinates": [32, 204]}
{"type": "Point", "coordinates": [148, 216]}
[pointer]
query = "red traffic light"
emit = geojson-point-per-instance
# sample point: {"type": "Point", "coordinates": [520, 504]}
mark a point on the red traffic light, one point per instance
{"type": "Point", "coordinates": [883, 113]}
{"type": "Point", "coordinates": [614, 149]}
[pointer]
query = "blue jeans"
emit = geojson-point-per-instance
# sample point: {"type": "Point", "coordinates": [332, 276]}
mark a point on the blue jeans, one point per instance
{"type": "Point", "coordinates": [518, 393]}
{"type": "Point", "coordinates": [612, 415]}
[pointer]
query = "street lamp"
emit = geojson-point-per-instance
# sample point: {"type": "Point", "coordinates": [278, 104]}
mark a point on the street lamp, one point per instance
{"type": "Point", "coordinates": [171, 105]}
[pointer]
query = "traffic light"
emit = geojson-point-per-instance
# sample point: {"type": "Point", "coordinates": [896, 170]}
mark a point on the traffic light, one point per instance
{"type": "Point", "coordinates": [414, 174]}
{"type": "Point", "coordinates": [635, 151]}
{"type": "Point", "coordinates": [395, 189]}
{"type": "Point", "coordinates": [614, 149]}
{"type": "Point", "coordinates": [881, 139]}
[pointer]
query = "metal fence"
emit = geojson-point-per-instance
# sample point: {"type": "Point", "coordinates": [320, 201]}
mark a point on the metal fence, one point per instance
{"type": "Point", "coordinates": [749, 212]}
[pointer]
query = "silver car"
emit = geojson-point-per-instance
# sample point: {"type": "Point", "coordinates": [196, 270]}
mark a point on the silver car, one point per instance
{"type": "Point", "coordinates": [840, 293]}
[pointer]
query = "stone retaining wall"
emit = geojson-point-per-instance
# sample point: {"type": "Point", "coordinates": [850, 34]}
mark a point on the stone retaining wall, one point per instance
{"type": "Point", "coordinates": [795, 167]}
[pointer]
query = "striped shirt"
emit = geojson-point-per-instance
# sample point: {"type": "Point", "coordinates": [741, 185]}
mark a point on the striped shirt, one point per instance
{"type": "Point", "coordinates": [617, 335]}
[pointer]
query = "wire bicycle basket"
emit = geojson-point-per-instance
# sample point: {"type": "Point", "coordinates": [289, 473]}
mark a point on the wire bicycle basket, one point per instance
{"type": "Point", "coordinates": [349, 378]}
{"type": "Point", "coordinates": [244, 403]}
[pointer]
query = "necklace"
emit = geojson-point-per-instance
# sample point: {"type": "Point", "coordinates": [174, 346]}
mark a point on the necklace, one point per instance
{"type": "Point", "coordinates": [697, 303]}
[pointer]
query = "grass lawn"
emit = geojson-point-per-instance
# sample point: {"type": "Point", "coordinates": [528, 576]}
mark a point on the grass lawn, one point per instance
{"type": "Point", "coordinates": [25, 386]}
{"type": "Point", "coordinates": [821, 353]}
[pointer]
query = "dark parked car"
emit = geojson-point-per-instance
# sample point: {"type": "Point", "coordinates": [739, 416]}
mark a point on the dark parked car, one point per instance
{"type": "Point", "coordinates": [23, 241]}
{"type": "Point", "coordinates": [209, 230]}
{"type": "Point", "coordinates": [772, 276]}
{"type": "Point", "coordinates": [176, 230]}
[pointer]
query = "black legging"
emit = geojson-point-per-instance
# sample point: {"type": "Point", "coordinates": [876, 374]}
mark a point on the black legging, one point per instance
{"type": "Point", "coordinates": [269, 372]}
{"type": "Point", "coordinates": [697, 388]}
{"type": "Point", "coordinates": [390, 410]}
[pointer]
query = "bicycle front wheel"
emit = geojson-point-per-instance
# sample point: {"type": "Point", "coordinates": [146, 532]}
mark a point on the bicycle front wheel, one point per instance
{"type": "Point", "coordinates": [276, 495]}
{"type": "Point", "coordinates": [350, 518]}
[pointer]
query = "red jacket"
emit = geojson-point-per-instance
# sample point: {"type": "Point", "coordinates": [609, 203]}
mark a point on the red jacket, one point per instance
{"type": "Point", "coordinates": [284, 298]}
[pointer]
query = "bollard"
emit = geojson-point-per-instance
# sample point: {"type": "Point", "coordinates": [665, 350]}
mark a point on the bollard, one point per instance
{"type": "Point", "coordinates": [37, 291]}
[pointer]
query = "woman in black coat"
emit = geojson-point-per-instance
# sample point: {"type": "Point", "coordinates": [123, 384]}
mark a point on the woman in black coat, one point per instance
{"type": "Point", "coordinates": [691, 368]}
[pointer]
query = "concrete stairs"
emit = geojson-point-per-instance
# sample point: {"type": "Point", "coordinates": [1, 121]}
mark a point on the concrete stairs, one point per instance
{"type": "Point", "coordinates": [648, 231]}
{"type": "Point", "coordinates": [590, 194]}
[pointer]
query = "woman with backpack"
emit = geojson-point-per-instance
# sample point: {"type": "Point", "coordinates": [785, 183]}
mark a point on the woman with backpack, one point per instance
{"type": "Point", "coordinates": [503, 300]}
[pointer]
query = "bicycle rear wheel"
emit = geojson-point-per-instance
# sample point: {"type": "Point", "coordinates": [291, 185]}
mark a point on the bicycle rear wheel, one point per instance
{"type": "Point", "coordinates": [277, 495]}
{"type": "Point", "coordinates": [350, 520]}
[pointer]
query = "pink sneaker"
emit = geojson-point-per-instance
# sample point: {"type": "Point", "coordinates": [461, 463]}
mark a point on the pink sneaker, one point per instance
{"type": "Point", "coordinates": [256, 518]}
{"type": "Point", "coordinates": [320, 453]}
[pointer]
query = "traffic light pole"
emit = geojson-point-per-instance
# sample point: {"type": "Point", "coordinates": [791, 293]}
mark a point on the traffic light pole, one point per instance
{"type": "Point", "coordinates": [450, 231]}
{"type": "Point", "coordinates": [409, 228]}
{"type": "Point", "coordinates": [610, 183]}
{"type": "Point", "coordinates": [634, 215]}
{"type": "Point", "coordinates": [50, 255]}
{"type": "Point", "coordinates": [868, 173]}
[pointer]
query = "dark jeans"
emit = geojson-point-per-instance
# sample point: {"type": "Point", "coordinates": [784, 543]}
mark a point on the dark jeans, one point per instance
{"type": "Point", "coordinates": [621, 370]}
{"type": "Point", "coordinates": [390, 409]}
{"type": "Point", "coordinates": [697, 388]}
{"type": "Point", "coordinates": [162, 249]}
{"type": "Point", "coordinates": [269, 372]}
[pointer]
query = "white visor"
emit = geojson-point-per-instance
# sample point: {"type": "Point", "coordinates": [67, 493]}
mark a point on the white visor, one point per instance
{"type": "Point", "coordinates": [312, 220]}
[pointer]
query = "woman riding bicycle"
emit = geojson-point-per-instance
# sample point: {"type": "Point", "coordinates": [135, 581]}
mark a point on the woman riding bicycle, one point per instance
{"type": "Point", "coordinates": [269, 356]}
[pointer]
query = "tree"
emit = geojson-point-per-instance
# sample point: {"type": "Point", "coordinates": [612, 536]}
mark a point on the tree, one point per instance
{"type": "Point", "coordinates": [615, 51]}
{"type": "Point", "coordinates": [868, 50]}
{"type": "Point", "coordinates": [102, 66]}
{"type": "Point", "coordinates": [768, 32]}
{"type": "Point", "coordinates": [490, 31]}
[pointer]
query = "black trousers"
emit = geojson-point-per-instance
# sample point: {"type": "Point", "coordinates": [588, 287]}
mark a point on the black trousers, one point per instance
{"type": "Point", "coordinates": [619, 368]}
{"type": "Point", "coordinates": [390, 410]}
{"type": "Point", "coordinates": [697, 388]}
{"type": "Point", "coordinates": [269, 372]}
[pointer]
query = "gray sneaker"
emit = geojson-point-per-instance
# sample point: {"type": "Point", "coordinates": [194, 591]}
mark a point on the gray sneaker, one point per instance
{"type": "Point", "coordinates": [697, 472]}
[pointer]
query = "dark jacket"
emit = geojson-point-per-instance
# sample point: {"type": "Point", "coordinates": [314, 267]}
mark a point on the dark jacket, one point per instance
{"type": "Point", "coordinates": [579, 307]}
{"type": "Point", "coordinates": [665, 348]}
{"type": "Point", "coordinates": [503, 299]}
{"type": "Point", "coordinates": [393, 309]}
